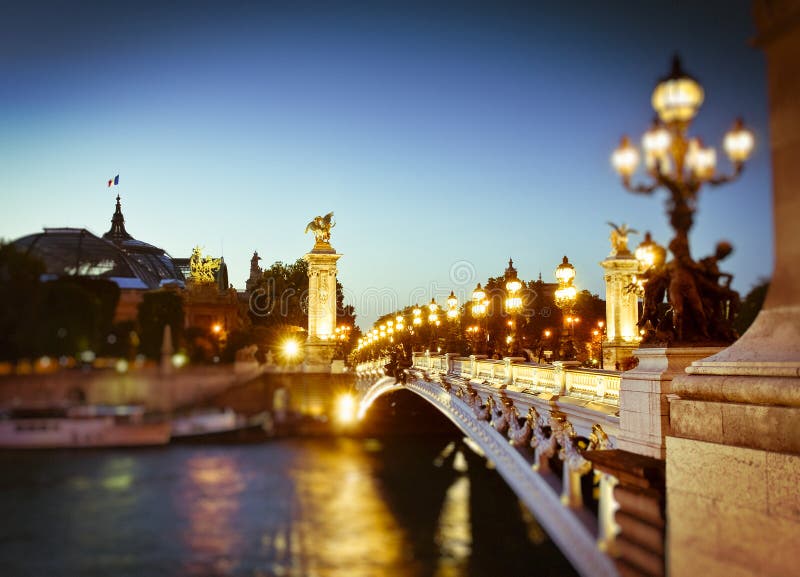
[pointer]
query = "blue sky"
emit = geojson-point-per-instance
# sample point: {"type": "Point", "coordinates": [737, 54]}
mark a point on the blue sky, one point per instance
{"type": "Point", "coordinates": [445, 136]}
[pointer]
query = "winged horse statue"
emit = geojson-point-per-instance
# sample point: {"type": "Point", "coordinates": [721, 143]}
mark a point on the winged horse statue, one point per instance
{"type": "Point", "coordinates": [321, 227]}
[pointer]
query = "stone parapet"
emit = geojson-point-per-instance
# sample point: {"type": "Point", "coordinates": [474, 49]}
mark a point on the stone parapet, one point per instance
{"type": "Point", "coordinates": [644, 408]}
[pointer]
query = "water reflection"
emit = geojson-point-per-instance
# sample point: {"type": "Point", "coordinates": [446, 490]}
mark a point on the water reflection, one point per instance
{"type": "Point", "coordinates": [454, 534]}
{"type": "Point", "coordinates": [310, 508]}
{"type": "Point", "coordinates": [210, 498]}
{"type": "Point", "coordinates": [344, 527]}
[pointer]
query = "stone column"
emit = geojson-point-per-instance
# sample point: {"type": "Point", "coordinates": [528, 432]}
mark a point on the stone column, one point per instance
{"type": "Point", "coordinates": [622, 309]}
{"type": "Point", "coordinates": [320, 345]}
{"type": "Point", "coordinates": [733, 471]}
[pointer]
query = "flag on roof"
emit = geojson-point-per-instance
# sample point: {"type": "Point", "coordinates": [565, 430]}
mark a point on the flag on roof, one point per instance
{"type": "Point", "coordinates": [114, 181]}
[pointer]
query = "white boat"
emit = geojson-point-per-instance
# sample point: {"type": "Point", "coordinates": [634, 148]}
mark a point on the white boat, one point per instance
{"type": "Point", "coordinates": [208, 422]}
{"type": "Point", "coordinates": [80, 427]}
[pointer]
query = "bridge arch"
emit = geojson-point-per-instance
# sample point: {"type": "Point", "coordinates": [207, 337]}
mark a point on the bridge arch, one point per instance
{"type": "Point", "coordinates": [488, 415]}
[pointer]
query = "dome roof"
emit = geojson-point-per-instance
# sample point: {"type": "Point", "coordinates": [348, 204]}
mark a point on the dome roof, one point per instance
{"type": "Point", "coordinates": [117, 256]}
{"type": "Point", "coordinates": [77, 252]}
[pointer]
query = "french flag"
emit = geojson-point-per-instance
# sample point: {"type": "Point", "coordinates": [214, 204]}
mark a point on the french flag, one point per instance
{"type": "Point", "coordinates": [114, 181]}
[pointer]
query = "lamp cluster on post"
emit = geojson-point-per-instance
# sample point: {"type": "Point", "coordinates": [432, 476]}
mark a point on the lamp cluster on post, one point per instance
{"type": "Point", "coordinates": [566, 293]}
{"type": "Point", "coordinates": [700, 307]}
{"type": "Point", "coordinates": [513, 306]}
{"type": "Point", "coordinates": [479, 309]}
{"type": "Point", "coordinates": [398, 334]}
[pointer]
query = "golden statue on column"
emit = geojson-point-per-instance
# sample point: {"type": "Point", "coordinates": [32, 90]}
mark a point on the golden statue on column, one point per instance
{"type": "Point", "coordinates": [320, 344]}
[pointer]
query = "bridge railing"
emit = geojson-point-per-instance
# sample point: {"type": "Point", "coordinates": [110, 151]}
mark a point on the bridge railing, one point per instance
{"type": "Point", "coordinates": [560, 378]}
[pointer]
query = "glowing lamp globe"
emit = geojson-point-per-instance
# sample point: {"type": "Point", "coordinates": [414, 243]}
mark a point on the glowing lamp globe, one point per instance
{"type": "Point", "coordinates": [678, 96]}
{"type": "Point", "coordinates": [452, 301]}
{"type": "Point", "coordinates": [739, 142]}
{"type": "Point", "coordinates": [700, 160]}
{"type": "Point", "coordinates": [565, 272]}
{"type": "Point", "coordinates": [656, 143]}
{"type": "Point", "coordinates": [478, 294]}
{"type": "Point", "coordinates": [625, 158]}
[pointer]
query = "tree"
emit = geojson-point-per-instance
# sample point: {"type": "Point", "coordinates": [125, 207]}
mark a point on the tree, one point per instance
{"type": "Point", "coordinates": [75, 315]}
{"type": "Point", "coordinates": [159, 308]}
{"type": "Point", "coordinates": [751, 305]}
{"type": "Point", "coordinates": [279, 306]}
{"type": "Point", "coordinates": [20, 294]}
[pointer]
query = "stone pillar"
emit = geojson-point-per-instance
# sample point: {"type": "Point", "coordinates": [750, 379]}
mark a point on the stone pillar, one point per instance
{"type": "Point", "coordinates": [643, 405]}
{"type": "Point", "coordinates": [320, 345]}
{"type": "Point", "coordinates": [622, 309]}
{"type": "Point", "coordinates": [733, 472]}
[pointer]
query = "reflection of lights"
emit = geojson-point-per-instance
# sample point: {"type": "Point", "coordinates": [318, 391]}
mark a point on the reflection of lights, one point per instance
{"type": "Point", "coordinates": [335, 486]}
{"type": "Point", "coordinates": [446, 452]}
{"type": "Point", "coordinates": [345, 408]}
{"type": "Point", "coordinates": [211, 497]}
{"type": "Point", "coordinates": [460, 463]}
{"type": "Point", "coordinates": [454, 530]}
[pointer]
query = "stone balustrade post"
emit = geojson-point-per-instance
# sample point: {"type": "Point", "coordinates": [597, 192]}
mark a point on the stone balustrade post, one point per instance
{"type": "Point", "coordinates": [571, 493]}
{"type": "Point", "coordinates": [509, 376]}
{"type": "Point", "coordinates": [448, 363]}
{"type": "Point", "coordinates": [607, 506]}
{"type": "Point", "coordinates": [560, 376]}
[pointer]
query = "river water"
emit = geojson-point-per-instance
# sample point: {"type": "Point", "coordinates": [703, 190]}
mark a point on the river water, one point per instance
{"type": "Point", "coordinates": [326, 507]}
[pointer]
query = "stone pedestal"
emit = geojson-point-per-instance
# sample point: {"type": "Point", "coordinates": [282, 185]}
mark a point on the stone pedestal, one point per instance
{"type": "Point", "coordinates": [622, 309]}
{"type": "Point", "coordinates": [643, 405]}
{"type": "Point", "coordinates": [617, 354]}
{"type": "Point", "coordinates": [318, 356]}
{"type": "Point", "coordinates": [733, 472]}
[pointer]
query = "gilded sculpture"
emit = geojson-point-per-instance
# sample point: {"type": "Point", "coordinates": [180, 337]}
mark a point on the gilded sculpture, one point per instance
{"type": "Point", "coordinates": [202, 268]}
{"type": "Point", "coordinates": [321, 227]}
{"type": "Point", "coordinates": [619, 238]}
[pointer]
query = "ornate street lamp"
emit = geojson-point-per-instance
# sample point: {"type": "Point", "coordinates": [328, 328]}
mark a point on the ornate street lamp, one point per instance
{"type": "Point", "coordinates": [683, 165]}
{"type": "Point", "coordinates": [433, 320]}
{"type": "Point", "coordinates": [513, 303]}
{"type": "Point", "coordinates": [452, 307]}
{"type": "Point", "coordinates": [566, 293]}
{"type": "Point", "coordinates": [479, 308]}
{"type": "Point", "coordinates": [452, 324]}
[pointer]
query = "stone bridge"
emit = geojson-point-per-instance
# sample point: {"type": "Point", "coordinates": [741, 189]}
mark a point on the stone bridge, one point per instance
{"type": "Point", "coordinates": [534, 423]}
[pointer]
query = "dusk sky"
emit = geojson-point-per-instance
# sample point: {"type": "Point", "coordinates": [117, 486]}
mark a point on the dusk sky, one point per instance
{"type": "Point", "coordinates": [446, 137]}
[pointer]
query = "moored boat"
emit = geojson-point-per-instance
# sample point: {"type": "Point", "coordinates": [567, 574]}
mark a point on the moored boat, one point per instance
{"type": "Point", "coordinates": [219, 424]}
{"type": "Point", "coordinates": [80, 426]}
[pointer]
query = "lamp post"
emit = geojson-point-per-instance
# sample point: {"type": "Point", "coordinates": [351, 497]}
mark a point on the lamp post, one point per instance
{"type": "Point", "coordinates": [433, 320]}
{"type": "Point", "coordinates": [513, 305]}
{"type": "Point", "coordinates": [566, 293]}
{"type": "Point", "coordinates": [479, 308]}
{"type": "Point", "coordinates": [600, 332]}
{"type": "Point", "coordinates": [547, 352]}
{"type": "Point", "coordinates": [682, 165]}
{"type": "Point", "coordinates": [452, 321]}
